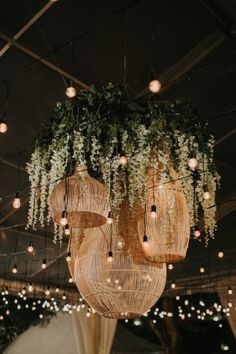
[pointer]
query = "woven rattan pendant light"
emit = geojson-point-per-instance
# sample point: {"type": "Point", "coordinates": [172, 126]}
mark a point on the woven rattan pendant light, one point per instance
{"type": "Point", "coordinates": [82, 197]}
{"type": "Point", "coordinates": [168, 232]}
{"type": "Point", "coordinates": [124, 288]}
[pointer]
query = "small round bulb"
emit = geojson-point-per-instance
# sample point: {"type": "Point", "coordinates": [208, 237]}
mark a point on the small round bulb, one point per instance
{"type": "Point", "coordinates": [47, 291]}
{"type": "Point", "coordinates": [196, 231]}
{"type": "Point", "coordinates": [23, 291]}
{"type": "Point", "coordinates": [3, 126]}
{"type": "Point", "coordinates": [70, 280]}
{"type": "Point", "coordinates": [64, 221]}
{"type": "Point", "coordinates": [206, 193]}
{"type": "Point", "coordinates": [220, 254]}
{"type": "Point", "coordinates": [123, 159]}
{"type": "Point", "coordinates": [30, 287]}
{"type": "Point", "coordinates": [67, 230]}
{"type": "Point", "coordinates": [70, 90]}
{"type": "Point", "coordinates": [110, 218]}
{"type": "Point", "coordinates": [57, 289]}
{"type": "Point", "coordinates": [153, 211]}
{"type": "Point", "coordinates": [230, 291]}
{"type": "Point", "coordinates": [14, 269]}
{"type": "Point", "coordinates": [64, 296]}
{"type": "Point", "coordinates": [16, 202]}
{"type": "Point", "coordinates": [170, 266]}
{"type": "Point", "coordinates": [110, 256]}
{"type": "Point", "coordinates": [173, 286]}
{"type": "Point", "coordinates": [44, 264]}
{"type": "Point", "coordinates": [177, 297]}
{"type": "Point", "coordinates": [192, 162]}
{"type": "Point", "coordinates": [30, 248]}
{"type": "Point", "coordinates": [154, 86]}
{"type": "Point", "coordinates": [68, 257]}
{"type": "Point", "coordinates": [202, 269]}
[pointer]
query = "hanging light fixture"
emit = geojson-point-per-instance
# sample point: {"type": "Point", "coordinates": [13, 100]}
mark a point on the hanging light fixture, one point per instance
{"type": "Point", "coordinates": [154, 86]}
{"type": "Point", "coordinates": [70, 90]}
{"type": "Point", "coordinates": [47, 291]}
{"type": "Point", "coordinates": [230, 291]}
{"type": "Point", "coordinates": [220, 254]}
{"type": "Point", "coordinates": [110, 217]}
{"type": "Point", "coordinates": [196, 231]}
{"type": "Point", "coordinates": [14, 269]}
{"type": "Point", "coordinates": [3, 125]}
{"type": "Point", "coordinates": [30, 247]}
{"type": "Point", "coordinates": [44, 264]}
{"type": "Point", "coordinates": [206, 193]}
{"type": "Point", "coordinates": [110, 256]}
{"type": "Point", "coordinates": [153, 211]}
{"type": "Point", "coordinates": [63, 220]}
{"type": "Point", "coordinates": [16, 202]}
{"type": "Point", "coordinates": [67, 230]}
{"type": "Point", "coordinates": [68, 257]}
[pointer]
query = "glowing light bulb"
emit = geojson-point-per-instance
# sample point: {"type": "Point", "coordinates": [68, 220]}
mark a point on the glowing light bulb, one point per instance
{"type": "Point", "coordinates": [30, 287]}
{"type": "Point", "coordinates": [14, 269]}
{"type": "Point", "coordinates": [70, 90]}
{"type": "Point", "coordinates": [154, 86]}
{"type": "Point", "coordinates": [196, 231]}
{"type": "Point", "coordinates": [67, 230]}
{"type": "Point", "coordinates": [220, 254]}
{"type": "Point", "coordinates": [170, 266]}
{"type": "Point", "coordinates": [153, 211]}
{"type": "Point", "coordinates": [57, 289]}
{"type": "Point", "coordinates": [30, 248]}
{"type": "Point", "coordinates": [3, 126]}
{"type": "Point", "coordinates": [64, 221]}
{"type": "Point", "coordinates": [206, 193]}
{"type": "Point", "coordinates": [173, 285]}
{"type": "Point", "coordinates": [145, 241]}
{"type": "Point", "coordinates": [123, 159]}
{"type": "Point", "coordinates": [70, 280]}
{"type": "Point", "coordinates": [68, 257]}
{"type": "Point", "coordinates": [47, 291]}
{"type": "Point", "coordinates": [44, 264]}
{"type": "Point", "coordinates": [110, 256]}
{"type": "Point", "coordinates": [202, 269]}
{"type": "Point", "coordinates": [230, 291]}
{"type": "Point", "coordinates": [110, 218]}
{"type": "Point", "coordinates": [192, 162]}
{"type": "Point", "coordinates": [177, 297]}
{"type": "Point", "coordinates": [64, 296]}
{"type": "Point", "coordinates": [16, 202]}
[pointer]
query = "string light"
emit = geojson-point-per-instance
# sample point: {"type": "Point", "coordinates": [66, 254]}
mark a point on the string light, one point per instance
{"type": "Point", "coordinates": [64, 296]}
{"type": "Point", "coordinates": [192, 162]}
{"type": "Point", "coordinates": [70, 280]}
{"type": "Point", "coordinates": [3, 126]}
{"type": "Point", "coordinates": [30, 247]}
{"type": "Point", "coordinates": [145, 240]}
{"type": "Point", "coordinates": [44, 264]}
{"type": "Point", "coordinates": [154, 86]}
{"type": "Point", "coordinates": [173, 285]}
{"type": "Point", "coordinates": [70, 90]}
{"type": "Point", "coordinates": [64, 221]}
{"type": "Point", "coordinates": [57, 289]}
{"type": "Point", "coordinates": [177, 297]}
{"type": "Point", "coordinates": [206, 193]}
{"type": "Point", "coordinates": [230, 291]}
{"type": "Point", "coordinates": [170, 266]}
{"type": "Point", "coordinates": [220, 254]}
{"type": "Point", "coordinates": [67, 230]}
{"type": "Point", "coordinates": [16, 202]}
{"type": "Point", "coordinates": [196, 231]}
{"type": "Point", "coordinates": [110, 218]}
{"type": "Point", "coordinates": [202, 269]}
{"type": "Point", "coordinates": [123, 159]}
{"type": "Point", "coordinates": [110, 256]}
{"type": "Point", "coordinates": [68, 257]}
{"type": "Point", "coordinates": [30, 287]}
{"type": "Point", "coordinates": [47, 291]}
{"type": "Point", "coordinates": [14, 269]}
{"type": "Point", "coordinates": [153, 211]}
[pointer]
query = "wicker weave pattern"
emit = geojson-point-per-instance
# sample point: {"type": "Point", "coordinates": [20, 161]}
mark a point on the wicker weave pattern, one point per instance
{"type": "Point", "coordinates": [168, 233]}
{"type": "Point", "coordinates": [125, 288]}
{"type": "Point", "coordinates": [86, 206]}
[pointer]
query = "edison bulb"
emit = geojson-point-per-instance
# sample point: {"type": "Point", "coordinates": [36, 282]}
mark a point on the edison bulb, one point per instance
{"type": "Point", "coordinates": [70, 91]}
{"type": "Point", "coordinates": [30, 248]}
{"type": "Point", "coordinates": [67, 230]}
{"type": "Point", "coordinates": [153, 212]}
{"type": "Point", "coordinates": [154, 86]}
{"type": "Point", "coordinates": [170, 266]}
{"type": "Point", "coordinates": [47, 291]}
{"type": "Point", "coordinates": [14, 269]}
{"type": "Point", "coordinates": [230, 291]}
{"type": "Point", "coordinates": [3, 126]}
{"type": "Point", "coordinates": [206, 193]}
{"type": "Point", "coordinates": [145, 241]}
{"type": "Point", "coordinates": [44, 265]}
{"type": "Point", "coordinates": [123, 159]}
{"type": "Point", "coordinates": [110, 218]}
{"type": "Point", "coordinates": [16, 203]}
{"type": "Point", "coordinates": [110, 257]}
{"type": "Point", "coordinates": [173, 286]}
{"type": "Point", "coordinates": [192, 163]}
{"type": "Point", "coordinates": [64, 221]}
{"type": "Point", "coordinates": [220, 254]}
{"type": "Point", "coordinates": [68, 257]}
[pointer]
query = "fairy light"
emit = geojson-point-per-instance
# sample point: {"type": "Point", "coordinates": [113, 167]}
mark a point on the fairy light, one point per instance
{"type": "Point", "coordinates": [177, 298]}
{"type": "Point", "coordinates": [110, 218]}
{"type": "Point", "coordinates": [196, 232]}
{"type": "Point", "coordinates": [70, 280]}
{"type": "Point", "coordinates": [153, 211]}
{"type": "Point", "coordinates": [30, 287]}
{"type": "Point", "coordinates": [30, 247]}
{"type": "Point", "coordinates": [44, 264]}
{"type": "Point", "coordinates": [110, 256]}
{"type": "Point", "coordinates": [154, 86]}
{"type": "Point", "coordinates": [47, 291]}
{"type": "Point", "coordinates": [3, 125]}
{"type": "Point", "coordinates": [64, 221]}
{"type": "Point", "coordinates": [14, 269]}
{"type": "Point", "coordinates": [123, 159]}
{"type": "Point", "coordinates": [67, 230]}
{"type": "Point", "coordinates": [68, 257]}
{"type": "Point", "coordinates": [206, 193]}
{"type": "Point", "coordinates": [220, 254]}
{"type": "Point", "coordinates": [173, 285]}
{"type": "Point", "coordinates": [202, 269]}
{"type": "Point", "coordinates": [70, 90]}
{"type": "Point", "coordinates": [16, 202]}
{"type": "Point", "coordinates": [230, 291]}
{"type": "Point", "coordinates": [170, 266]}
{"type": "Point", "coordinates": [192, 162]}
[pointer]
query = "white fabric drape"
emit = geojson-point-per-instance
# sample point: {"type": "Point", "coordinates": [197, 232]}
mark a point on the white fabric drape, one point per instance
{"type": "Point", "coordinates": [224, 299]}
{"type": "Point", "coordinates": [93, 335]}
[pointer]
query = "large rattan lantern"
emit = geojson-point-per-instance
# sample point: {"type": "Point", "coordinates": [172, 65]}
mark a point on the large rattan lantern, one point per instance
{"type": "Point", "coordinates": [164, 225]}
{"type": "Point", "coordinates": [82, 198]}
{"type": "Point", "coordinates": [128, 286]}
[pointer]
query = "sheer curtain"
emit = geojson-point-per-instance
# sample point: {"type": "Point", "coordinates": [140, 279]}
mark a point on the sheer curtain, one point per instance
{"type": "Point", "coordinates": [224, 299]}
{"type": "Point", "coordinates": [93, 335]}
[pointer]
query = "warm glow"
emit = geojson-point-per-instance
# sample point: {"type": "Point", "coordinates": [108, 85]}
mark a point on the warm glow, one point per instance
{"type": "Point", "coordinates": [30, 288]}
{"type": "Point", "coordinates": [14, 269]}
{"type": "Point", "coordinates": [206, 195]}
{"type": "Point", "coordinates": [110, 218]}
{"type": "Point", "coordinates": [230, 291]}
{"type": "Point", "coordinates": [44, 265]}
{"type": "Point", "coordinates": [70, 280]}
{"type": "Point", "coordinates": [170, 266]}
{"type": "Point", "coordinates": [30, 248]}
{"type": "Point", "coordinates": [202, 269]}
{"type": "Point", "coordinates": [68, 257]}
{"type": "Point", "coordinates": [67, 230]}
{"type": "Point", "coordinates": [110, 257]}
{"type": "Point", "coordinates": [47, 292]}
{"type": "Point", "coordinates": [63, 221]}
{"type": "Point", "coordinates": [220, 254]}
{"type": "Point", "coordinates": [123, 160]}
{"type": "Point", "coordinates": [16, 203]}
{"type": "Point", "coordinates": [154, 86]}
{"type": "Point", "coordinates": [70, 91]}
{"type": "Point", "coordinates": [153, 212]}
{"type": "Point", "coordinates": [173, 286]}
{"type": "Point", "coordinates": [192, 162]}
{"type": "Point", "coordinates": [3, 127]}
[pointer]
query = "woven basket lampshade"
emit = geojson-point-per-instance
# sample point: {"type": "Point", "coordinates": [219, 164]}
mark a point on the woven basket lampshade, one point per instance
{"type": "Point", "coordinates": [86, 204]}
{"type": "Point", "coordinates": [128, 286]}
{"type": "Point", "coordinates": [76, 238]}
{"type": "Point", "coordinates": [167, 233]}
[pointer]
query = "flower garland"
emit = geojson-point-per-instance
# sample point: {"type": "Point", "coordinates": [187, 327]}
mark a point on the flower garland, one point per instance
{"type": "Point", "coordinates": [97, 128]}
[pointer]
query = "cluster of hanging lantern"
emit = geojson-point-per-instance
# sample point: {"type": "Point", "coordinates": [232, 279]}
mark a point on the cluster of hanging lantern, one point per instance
{"type": "Point", "coordinates": [117, 275]}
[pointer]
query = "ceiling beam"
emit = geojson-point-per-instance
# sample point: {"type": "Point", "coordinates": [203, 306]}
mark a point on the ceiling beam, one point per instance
{"type": "Point", "coordinates": [27, 26]}
{"type": "Point", "coordinates": [43, 61]}
{"type": "Point", "coordinates": [225, 137]}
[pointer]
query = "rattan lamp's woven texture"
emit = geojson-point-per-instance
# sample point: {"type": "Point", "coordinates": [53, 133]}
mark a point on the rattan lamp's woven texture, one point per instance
{"type": "Point", "coordinates": [167, 233]}
{"type": "Point", "coordinates": [76, 238]}
{"type": "Point", "coordinates": [84, 199]}
{"type": "Point", "coordinates": [128, 286]}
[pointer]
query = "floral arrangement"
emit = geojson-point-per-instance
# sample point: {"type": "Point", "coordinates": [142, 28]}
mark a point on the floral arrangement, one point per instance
{"type": "Point", "coordinates": [106, 129]}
